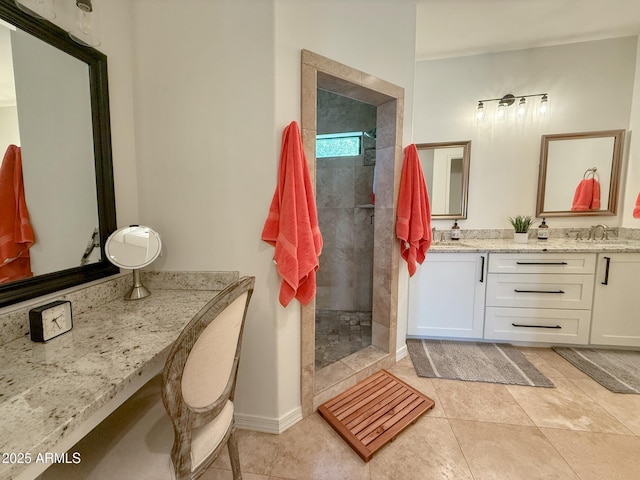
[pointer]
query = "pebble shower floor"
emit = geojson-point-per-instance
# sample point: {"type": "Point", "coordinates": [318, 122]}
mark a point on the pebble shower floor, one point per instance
{"type": "Point", "coordinates": [339, 333]}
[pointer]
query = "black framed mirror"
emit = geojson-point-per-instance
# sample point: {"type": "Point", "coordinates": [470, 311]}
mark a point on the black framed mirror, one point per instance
{"type": "Point", "coordinates": [579, 173]}
{"type": "Point", "coordinates": [446, 171]}
{"type": "Point", "coordinates": [63, 192]}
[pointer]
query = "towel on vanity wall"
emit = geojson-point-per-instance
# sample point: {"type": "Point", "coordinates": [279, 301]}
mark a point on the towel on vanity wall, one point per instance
{"type": "Point", "coordinates": [292, 225]}
{"type": "Point", "coordinates": [413, 225]}
{"type": "Point", "coordinates": [595, 197]}
{"type": "Point", "coordinates": [636, 210]}
{"type": "Point", "coordinates": [16, 234]}
{"type": "Point", "coordinates": [587, 195]}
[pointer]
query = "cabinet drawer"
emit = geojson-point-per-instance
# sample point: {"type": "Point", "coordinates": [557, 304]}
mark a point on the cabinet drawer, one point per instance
{"type": "Point", "coordinates": [542, 263]}
{"type": "Point", "coordinates": [540, 291]}
{"type": "Point", "coordinates": [537, 325]}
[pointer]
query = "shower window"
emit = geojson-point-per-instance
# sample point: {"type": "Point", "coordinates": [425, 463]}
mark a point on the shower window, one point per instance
{"type": "Point", "coordinates": [347, 144]}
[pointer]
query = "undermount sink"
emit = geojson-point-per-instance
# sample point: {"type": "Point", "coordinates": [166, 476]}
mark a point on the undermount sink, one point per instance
{"type": "Point", "coordinates": [451, 244]}
{"type": "Point", "coordinates": [604, 243]}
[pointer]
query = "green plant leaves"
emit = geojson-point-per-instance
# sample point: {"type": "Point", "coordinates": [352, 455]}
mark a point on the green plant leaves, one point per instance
{"type": "Point", "coordinates": [522, 223]}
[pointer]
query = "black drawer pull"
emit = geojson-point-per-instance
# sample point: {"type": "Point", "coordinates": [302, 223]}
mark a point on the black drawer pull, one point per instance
{"type": "Point", "coordinates": [482, 270]}
{"type": "Point", "coordinates": [536, 326]}
{"type": "Point", "coordinates": [606, 271]}
{"type": "Point", "coordinates": [541, 263]}
{"type": "Point", "coordinates": [537, 291]}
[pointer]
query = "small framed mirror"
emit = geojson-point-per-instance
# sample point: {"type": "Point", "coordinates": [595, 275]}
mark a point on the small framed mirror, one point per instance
{"type": "Point", "coordinates": [446, 172]}
{"type": "Point", "coordinates": [579, 173]}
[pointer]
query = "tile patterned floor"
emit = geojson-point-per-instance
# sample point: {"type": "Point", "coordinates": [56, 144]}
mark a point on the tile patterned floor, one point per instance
{"type": "Point", "coordinates": [477, 431]}
{"type": "Point", "coordinates": [340, 333]}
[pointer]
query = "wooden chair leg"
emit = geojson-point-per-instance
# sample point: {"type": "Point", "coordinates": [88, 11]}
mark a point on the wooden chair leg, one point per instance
{"type": "Point", "coordinates": [232, 446]}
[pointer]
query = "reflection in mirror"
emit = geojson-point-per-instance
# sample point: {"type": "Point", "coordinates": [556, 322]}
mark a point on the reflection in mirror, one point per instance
{"type": "Point", "coordinates": [446, 171]}
{"type": "Point", "coordinates": [579, 173]}
{"type": "Point", "coordinates": [54, 109]}
{"type": "Point", "coordinates": [62, 205]}
{"type": "Point", "coordinates": [134, 247]}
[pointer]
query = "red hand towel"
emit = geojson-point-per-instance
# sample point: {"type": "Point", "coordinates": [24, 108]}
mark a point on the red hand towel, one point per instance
{"type": "Point", "coordinates": [595, 196]}
{"type": "Point", "coordinates": [583, 195]}
{"type": "Point", "coordinates": [16, 234]}
{"type": "Point", "coordinates": [413, 225]}
{"type": "Point", "coordinates": [292, 224]}
{"type": "Point", "coordinates": [636, 211]}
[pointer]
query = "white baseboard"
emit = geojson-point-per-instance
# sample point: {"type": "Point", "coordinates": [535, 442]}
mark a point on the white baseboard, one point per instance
{"type": "Point", "coordinates": [268, 425]}
{"type": "Point", "coordinates": [401, 353]}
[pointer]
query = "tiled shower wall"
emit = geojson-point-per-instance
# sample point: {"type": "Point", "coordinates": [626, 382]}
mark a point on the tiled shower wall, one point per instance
{"type": "Point", "coordinates": [343, 186]}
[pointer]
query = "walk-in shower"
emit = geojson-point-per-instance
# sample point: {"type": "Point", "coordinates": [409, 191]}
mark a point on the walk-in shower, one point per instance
{"type": "Point", "coordinates": [345, 164]}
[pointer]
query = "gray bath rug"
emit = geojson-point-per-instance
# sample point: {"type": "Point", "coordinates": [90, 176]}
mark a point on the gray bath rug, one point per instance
{"type": "Point", "coordinates": [617, 370]}
{"type": "Point", "coordinates": [474, 362]}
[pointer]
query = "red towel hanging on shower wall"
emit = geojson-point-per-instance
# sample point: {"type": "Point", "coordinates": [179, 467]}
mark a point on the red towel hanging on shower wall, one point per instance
{"type": "Point", "coordinates": [292, 225]}
{"type": "Point", "coordinates": [413, 225]}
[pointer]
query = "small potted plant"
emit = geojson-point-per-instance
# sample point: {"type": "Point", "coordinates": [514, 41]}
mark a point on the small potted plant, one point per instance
{"type": "Point", "coordinates": [521, 224]}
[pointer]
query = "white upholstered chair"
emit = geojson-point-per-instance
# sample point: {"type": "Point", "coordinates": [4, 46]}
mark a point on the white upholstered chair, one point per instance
{"type": "Point", "coordinates": [175, 426]}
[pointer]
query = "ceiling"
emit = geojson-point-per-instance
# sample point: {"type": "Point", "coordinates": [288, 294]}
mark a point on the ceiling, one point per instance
{"type": "Point", "coordinates": [451, 28]}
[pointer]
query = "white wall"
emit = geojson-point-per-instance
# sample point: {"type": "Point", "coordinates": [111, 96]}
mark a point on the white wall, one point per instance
{"type": "Point", "coordinates": [215, 83]}
{"type": "Point", "coordinates": [117, 43]}
{"type": "Point", "coordinates": [377, 37]}
{"type": "Point", "coordinates": [9, 132]}
{"type": "Point", "coordinates": [632, 172]}
{"type": "Point", "coordinates": [590, 86]}
{"type": "Point", "coordinates": [206, 153]}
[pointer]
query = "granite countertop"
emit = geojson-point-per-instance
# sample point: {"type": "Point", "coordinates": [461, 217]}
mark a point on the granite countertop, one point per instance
{"type": "Point", "coordinates": [48, 389]}
{"type": "Point", "coordinates": [560, 245]}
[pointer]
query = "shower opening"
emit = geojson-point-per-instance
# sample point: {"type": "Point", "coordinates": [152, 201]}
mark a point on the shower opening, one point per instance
{"type": "Point", "coordinates": [345, 165]}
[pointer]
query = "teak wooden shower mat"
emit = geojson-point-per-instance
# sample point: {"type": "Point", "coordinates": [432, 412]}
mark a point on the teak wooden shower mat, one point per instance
{"type": "Point", "coordinates": [373, 412]}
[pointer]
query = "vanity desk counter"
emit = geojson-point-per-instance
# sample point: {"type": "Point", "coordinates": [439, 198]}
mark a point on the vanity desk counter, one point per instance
{"type": "Point", "coordinates": [52, 394]}
{"type": "Point", "coordinates": [557, 245]}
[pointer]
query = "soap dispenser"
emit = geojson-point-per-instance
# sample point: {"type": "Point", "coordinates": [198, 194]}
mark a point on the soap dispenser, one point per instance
{"type": "Point", "coordinates": [455, 231]}
{"type": "Point", "coordinates": [543, 230]}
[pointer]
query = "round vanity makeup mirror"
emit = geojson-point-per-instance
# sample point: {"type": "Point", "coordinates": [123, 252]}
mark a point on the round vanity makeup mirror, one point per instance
{"type": "Point", "coordinates": [134, 247]}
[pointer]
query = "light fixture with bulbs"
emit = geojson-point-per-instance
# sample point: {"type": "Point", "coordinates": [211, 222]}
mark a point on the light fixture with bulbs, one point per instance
{"type": "Point", "coordinates": [503, 110]}
{"type": "Point", "coordinates": [82, 28]}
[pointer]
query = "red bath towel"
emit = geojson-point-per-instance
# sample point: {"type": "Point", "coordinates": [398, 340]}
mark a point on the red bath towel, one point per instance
{"type": "Point", "coordinates": [292, 224]}
{"type": "Point", "coordinates": [587, 195]}
{"type": "Point", "coordinates": [413, 225]}
{"type": "Point", "coordinates": [636, 211]}
{"type": "Point", "coordinates": [16, 234]}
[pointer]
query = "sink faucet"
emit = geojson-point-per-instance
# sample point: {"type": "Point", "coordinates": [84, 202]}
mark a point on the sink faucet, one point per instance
{"type": "Point", "coordinates": [594, 229]}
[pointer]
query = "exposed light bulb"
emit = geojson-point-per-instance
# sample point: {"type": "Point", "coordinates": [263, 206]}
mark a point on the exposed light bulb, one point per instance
{"type": "Point", "coordinates": [480, 112]}
{"type": "Point", "coordinates": [522, 107]}
{"type": "Point", "coordinates": [543, 109]}
{"type": "Point", "coordinates": [84, 23]}
{"type": "Point", "coordinates": [85, 31]}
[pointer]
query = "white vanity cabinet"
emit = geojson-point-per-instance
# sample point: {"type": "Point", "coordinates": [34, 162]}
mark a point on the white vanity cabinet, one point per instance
{"type": "Point", "coordinates": [539, 297]}
{"type": "Point", "coordinates": [446, 296]}
{"type": "Point", "coordinates": [616, 303]}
